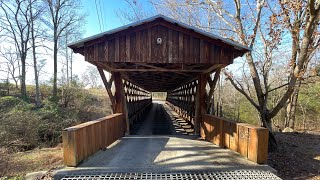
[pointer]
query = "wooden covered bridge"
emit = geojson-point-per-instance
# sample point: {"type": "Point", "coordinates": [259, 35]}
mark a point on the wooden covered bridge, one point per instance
{"type": "Point", "coordinates": [160, 54]}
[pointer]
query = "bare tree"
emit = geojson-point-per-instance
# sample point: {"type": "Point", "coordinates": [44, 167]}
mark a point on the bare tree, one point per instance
{"type": "Point", "coordinates": [11, 64]}
{"type": "Point", "coordinates": [137, 12]}
{"type": "Point", "coordinates": [301, 19]}
{"type": "Point", "coordinates": [33, 17]}
{"type": "Point", "coordinates": [91, 77]}
{"type": "Point", "coordinates": [306, 25]}
{"type": "Point", "coordinates": [70, 34]}
{"type": "Point", "coordinates": [61, 15]}
{"type": "Point", "coordinates": [15, 23]}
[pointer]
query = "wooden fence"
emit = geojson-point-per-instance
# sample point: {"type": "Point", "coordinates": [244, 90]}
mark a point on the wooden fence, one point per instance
{"type": "Point", "coordinates": [248, 140]}
{"type": "Point", "coordinates": [83, 140]}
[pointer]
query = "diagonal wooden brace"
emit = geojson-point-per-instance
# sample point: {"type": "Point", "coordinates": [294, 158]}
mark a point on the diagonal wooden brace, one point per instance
{"type": "Point", "coordinates": [108, 87]}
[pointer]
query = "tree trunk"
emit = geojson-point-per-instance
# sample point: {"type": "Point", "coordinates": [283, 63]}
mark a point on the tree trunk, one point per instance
{"type": "Point", "coordinates": [36, 78]}
{"type": "Point", "coordinates": [291, 107]}
{"type": "Point", "coordinates": [267, 123]}
{"type": "Point", "coordinates": [71, 66]}
{"type": "Point", "coordinates": [55, 68]}
{"type": "Point", "coordinates": [16, 83]}
{"type": "Point", "coordinates": [67, 59]}
{"type": "Point", "coordinates": [23, 77]}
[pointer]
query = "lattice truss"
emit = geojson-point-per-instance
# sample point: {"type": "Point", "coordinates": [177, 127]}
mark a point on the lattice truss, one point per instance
{"type": "Point", "coordinates": [185, 96]}
{"type": "Point", "coordinates": [137, 99]}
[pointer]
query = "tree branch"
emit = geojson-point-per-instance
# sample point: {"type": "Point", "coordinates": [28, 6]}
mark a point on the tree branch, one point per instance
{"type": "Point", "coordinates": [241, 90]}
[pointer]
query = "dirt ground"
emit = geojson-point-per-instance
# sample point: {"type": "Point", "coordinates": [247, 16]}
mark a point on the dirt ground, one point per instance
{"type": "Point", "coordinates": [297, 156]}
{"type": "Point", "coordinates": [16, 165]}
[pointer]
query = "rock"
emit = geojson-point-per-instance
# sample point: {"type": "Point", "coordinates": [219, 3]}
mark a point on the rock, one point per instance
{"type": "Point", "coordinates": [34, 175]}
{"type": "Point", "coordinates": [288, 130]}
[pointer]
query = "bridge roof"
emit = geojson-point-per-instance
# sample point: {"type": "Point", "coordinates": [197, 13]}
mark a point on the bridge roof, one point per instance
{"type": "Point", "coordinates": [81, 42]}
{"type": "Point", "coordinates": [158, 53]}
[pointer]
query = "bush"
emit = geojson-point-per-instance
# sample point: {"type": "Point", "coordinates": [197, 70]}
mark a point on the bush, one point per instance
{"type": "Point", "coordinates": [24, 127]}
{"type": "Point", "coordinates": [18, 124]}
{"type": "Point", "coordinates": [12, 103]}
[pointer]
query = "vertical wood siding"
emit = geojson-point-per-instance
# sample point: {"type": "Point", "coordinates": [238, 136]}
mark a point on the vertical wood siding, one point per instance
{"type": "Point", "coordinates": [141, 46]}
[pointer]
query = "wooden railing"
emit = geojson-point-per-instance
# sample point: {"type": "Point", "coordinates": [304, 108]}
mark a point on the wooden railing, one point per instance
{"type": "Point", "coordinates": [182, 100]}
{"type": "Point", "coordinates": [182, 113]}
{"type": "Point", "coordinates": [83, 140]}
{"type": "Point", "coordinates": [248, 140]}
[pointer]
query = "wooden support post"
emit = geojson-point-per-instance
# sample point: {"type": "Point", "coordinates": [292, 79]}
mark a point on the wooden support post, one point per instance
{"type": "Point", "coordinates": [120, 99]}
{"type": "Point", "coordinates": [201, 106]}
{"type": "Point", "coordinates": [212, 84]}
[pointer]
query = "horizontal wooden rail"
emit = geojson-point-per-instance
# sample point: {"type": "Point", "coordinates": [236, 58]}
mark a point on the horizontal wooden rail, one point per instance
{"type": "Point", "coordinates": [83, 140]}
{"type": "Point", "coordinates": [248, 140]}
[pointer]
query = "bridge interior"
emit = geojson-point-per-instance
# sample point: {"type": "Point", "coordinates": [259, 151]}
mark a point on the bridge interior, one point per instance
{"type": "Point", "coordinates": [162, 120]}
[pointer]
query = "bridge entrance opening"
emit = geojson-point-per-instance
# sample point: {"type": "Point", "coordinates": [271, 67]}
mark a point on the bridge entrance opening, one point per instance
{"type": "Point", "coordinates": [156, 96]}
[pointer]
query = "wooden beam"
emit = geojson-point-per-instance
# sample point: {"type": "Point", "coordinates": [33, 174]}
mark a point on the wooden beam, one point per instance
{"type": "Point", "coordinates": [105, 67]}
{"type": "Point", "coordinates": [212, 86]}
{"type": "Point", "coordinates": [200, 104]}
{"type": "Point", "coordinates": [107, 85]}
{"type": "Point", "coordinates": [160, 68]}
{"type": "Point", "coordinates": [156, 70]}
{"type": "Point", "coordinates": [120, 99]}
{"type": "Point", "coordinates": [216, 66]}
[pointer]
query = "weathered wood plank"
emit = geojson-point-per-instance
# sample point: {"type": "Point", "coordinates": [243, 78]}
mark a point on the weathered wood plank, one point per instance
{"type": "Point", "coordinates": [83, 140]}
{"type": "Point", "coordinates": [196, 50]}
{"type": "Point", "coordinates": [122, 48]}
{"type": "Point", "coordinates": [111, 50]}
{"type": "Point", "coordinates": [233, 137]}
{"type": "Point", "coordinates": [133, 54]}
{"type": "Point", "coordinates": [163, 34]}
{"type": "Point", "coordinates": [149, 42]}
{"type": "Point", "coordinates": [116, 50]}
{"type": "Point", "coordinates": [243, 137]}
{"type": "Point", "coordinates": [181, 51]}
{"type": "Point", "coordinates": [258, 145]}
{"type": "Point", "coordinates": [248, 140]}
{"type": "Point", "coordinates": [170, 46]}
{"type": "Point", "coordinates": [154, 46]}
{"type": "Point", "coordinates": [186, 48]}
{"type": "Point", "coordinates": [69, 148]}
{"type": "Point", "coordinates": [128, 58]}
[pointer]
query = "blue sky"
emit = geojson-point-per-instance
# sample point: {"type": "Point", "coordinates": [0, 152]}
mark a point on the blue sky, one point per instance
{"type": "Point", "coordinates": [109, 16]}
{"type": "Point", "coordinates": [110, 20]}
{"type": "Point", "coordinates": [91, 27]}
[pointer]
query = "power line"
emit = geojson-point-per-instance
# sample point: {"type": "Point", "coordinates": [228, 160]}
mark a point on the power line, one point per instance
{"type": "Point", "coordinates": [98, 15]}
{"type": "Point", "coordinates": [101, 14]}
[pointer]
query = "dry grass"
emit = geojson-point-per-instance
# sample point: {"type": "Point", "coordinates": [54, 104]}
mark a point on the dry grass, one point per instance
{"type": "Point", "coordinates": [18, 164]}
